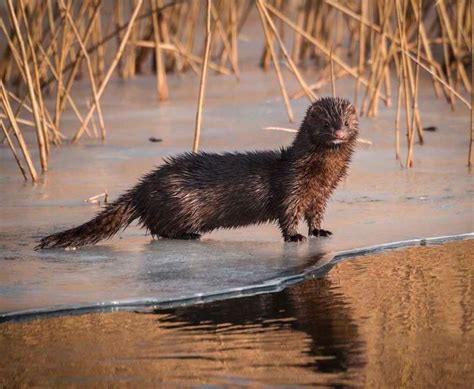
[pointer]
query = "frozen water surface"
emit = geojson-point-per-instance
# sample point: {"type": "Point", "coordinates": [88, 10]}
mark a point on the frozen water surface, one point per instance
{"type": "Point", "coordinates": [379, 202]}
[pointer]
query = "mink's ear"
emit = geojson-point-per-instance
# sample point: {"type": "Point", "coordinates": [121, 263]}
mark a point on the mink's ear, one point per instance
{"type": "Point", "coordinates": [351, 110]}
{"type": "Point", "coordinates": [310, 109]}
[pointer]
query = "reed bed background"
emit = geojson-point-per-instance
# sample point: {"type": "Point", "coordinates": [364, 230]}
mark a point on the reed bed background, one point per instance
{"type": "Point", "coordinates": [385, 46]}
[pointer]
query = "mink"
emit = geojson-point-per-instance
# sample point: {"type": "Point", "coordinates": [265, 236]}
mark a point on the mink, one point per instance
{"type": "Point", "coordinates": [195, 193]}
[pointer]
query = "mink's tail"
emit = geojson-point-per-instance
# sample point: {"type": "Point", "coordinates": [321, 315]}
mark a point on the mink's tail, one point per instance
{"type": "Point", "coordinates": [112, 219]}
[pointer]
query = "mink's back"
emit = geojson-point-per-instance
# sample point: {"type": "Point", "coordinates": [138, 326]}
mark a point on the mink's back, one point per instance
{"type": "Point", "coordinates": [204, 191]}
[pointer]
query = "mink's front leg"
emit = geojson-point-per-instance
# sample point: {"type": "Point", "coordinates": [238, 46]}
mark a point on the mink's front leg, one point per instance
{"type": "Point", "coordinates": [313, 216]}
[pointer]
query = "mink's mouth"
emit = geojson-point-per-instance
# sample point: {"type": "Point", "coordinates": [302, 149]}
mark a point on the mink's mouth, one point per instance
{"type": "Point", "coordinates": [338, 141]}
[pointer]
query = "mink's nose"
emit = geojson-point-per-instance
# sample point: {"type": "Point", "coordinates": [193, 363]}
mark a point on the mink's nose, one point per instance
{"type": "Point", "coordinates": [339, 134]}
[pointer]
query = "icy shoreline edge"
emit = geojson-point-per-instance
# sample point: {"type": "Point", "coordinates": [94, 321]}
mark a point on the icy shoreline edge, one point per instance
{"type": "Point", "coordinates": [270, 286]}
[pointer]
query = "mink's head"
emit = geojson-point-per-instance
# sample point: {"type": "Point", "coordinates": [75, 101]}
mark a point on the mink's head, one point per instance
{"type": "Point", "coordinates": [329, 122]}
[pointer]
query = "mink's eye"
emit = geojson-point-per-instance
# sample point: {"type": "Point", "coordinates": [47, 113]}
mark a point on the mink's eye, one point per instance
{"type": "Point", "coordinates": [326, 124]}
{"type": "Point", "coordinates": [346, 123]}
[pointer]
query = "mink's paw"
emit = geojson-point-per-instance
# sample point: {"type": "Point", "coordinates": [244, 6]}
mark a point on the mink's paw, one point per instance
{"type": "Point", "coordinates": [320, 232]}
{"type": "Point", "coordinates": [295, 238]}
{"type": "Point", "coordinates": [182, 236]}
{"type": "Point", "coordinates": [188, 236]}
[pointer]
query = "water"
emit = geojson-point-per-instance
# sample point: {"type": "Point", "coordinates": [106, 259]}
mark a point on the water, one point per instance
{"type": "Point", "coordinates": [394, 319]}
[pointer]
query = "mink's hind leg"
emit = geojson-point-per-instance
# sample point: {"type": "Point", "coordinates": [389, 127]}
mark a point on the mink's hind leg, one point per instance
{"type": "Point", "coordinates": [320, 232]}
{"type": "Point", "coordinates": [288, 224]}
{"type": "Point", "coordinates": [295, 238]}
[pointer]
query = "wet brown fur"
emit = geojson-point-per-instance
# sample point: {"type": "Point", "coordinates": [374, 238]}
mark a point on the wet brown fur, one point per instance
{"type": "Point", "coordinates": [193, 194]}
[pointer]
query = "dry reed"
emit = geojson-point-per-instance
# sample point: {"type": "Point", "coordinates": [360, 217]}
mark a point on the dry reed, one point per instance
{"type": "Point", "coordinates": [50, 46]}
{"type": "Point", "coordinates": [202, 84]}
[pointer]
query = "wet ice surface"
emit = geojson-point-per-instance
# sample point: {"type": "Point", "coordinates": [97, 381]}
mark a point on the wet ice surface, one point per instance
{"type": "Point", "coordinates": [378, 202]}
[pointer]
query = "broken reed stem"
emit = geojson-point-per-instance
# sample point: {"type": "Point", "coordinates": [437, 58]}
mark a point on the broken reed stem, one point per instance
{"type": "Point", "coordinates": [447, 67]}
{"type": "Point", "coordinates": [202, 84]}
{"type": "Point", "coordinates": [263, 7]}
{"type": "Point", "coordinates": [445, 20]}
{"type": "Point", "coordinates": [225, 41]}
{"type": "Point", "coordinates": [163, 24]}
{"type": "Point", "coordinates": [80, 56]}
{"type": "Point", "coordinates": [320, 47]}
{"type": "Point", "coordinates": [234, 36]}
{"type": "Point", "coordinates": [112, 67]}
{"type": "Point", "coordinates": [404, 71]}
{"type": "Point", "coordinates": [26, 122]}
{"type": "Point", "coordinates": [448, 87]}
{"type": "Point", "coordinates": [317, 23]}
{"type": "Point", "coordinates": [360, 67]}
{"type": "Point", "coordinates": [471, 140]}
{"type": "Point", "coordinates": [66, 93]}
{"type": "Point", "coordinates": [409, 161]}
{"type": "Point", "coordinates": [397, 122]}
{"type": "Point", "coordinates": [295, 51]}
{"type": "Point", "coordinates": [21, 142]}
{"type": "Point", "coordinates": [13, 150]}
{"type": "Point", "coordinates": [294, 131]}
{"type": "Point", "coordinates": [97, 37]}
{"type": "Point", "coordinates": [118, 15]}
{"type": "Point", "coordinates": [111, 35]}
{"type": "Point", "coordinates": [22, 104]}
{"type": "Point", "coordinates": [411, 83]}
{"type": "Point", "coordinates": [36, 81]}
{"type": "Point", "coordinates": [161, 82]}
{"type": "Point", "coordinates": [318, 84]}
{"type": "Point", "coordinates": [177, 48]}
{"type": "Point", "coordinates": [90, 70]}
{"type": "Point", "coordinates": [377, 29]}
{"type": "Point", "coordinates": [333, 83]}
{"type": "Point", "coordinates": [60, 65]}
{"type": "Point", "coordinates": [31, 89]}
{"type": "Point", "coordinates": [189, 17]}
{"type": "Point", "coordinates": [427, 49]}
{"type": "Point", "coordinates": [276, 64]}
{"type": "Point", "coordinates": [383, 61]}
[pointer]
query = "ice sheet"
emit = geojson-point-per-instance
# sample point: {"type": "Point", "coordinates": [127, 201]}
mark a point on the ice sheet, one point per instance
{"type": "Point", "coordinates": [379, 201]}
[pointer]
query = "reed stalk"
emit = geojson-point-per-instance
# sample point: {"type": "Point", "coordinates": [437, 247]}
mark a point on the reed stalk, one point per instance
{"type": "Point", "coordinates": [276, 65]}
{"type": "Point", "coordinates": [31, 89]}
{"type": "Point", "coordinates": [202, 83]}
{"type": "Point", "coordinates": [112, 67]}
{"type": "Point", "coordinates": [16, 130]}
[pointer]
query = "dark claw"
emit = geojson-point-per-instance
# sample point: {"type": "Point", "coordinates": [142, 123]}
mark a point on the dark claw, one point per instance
{"type": "Point", "coordinates": [184, 236]}
{"type": "Point", "coordinates": [321, 232]}
{"type": "Point", "coordinates": [189, 236]}
{"type": "Point", "coordinates": [295, 238]}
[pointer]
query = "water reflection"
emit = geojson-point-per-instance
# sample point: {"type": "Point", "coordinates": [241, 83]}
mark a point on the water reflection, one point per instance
{"type": "Point", "coordinates": [307, 327]}
{"type": "Point", "coordinates": [396, 319]}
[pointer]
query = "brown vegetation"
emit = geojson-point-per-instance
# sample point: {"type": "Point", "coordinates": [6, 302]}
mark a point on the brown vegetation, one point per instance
{"type": "Point", "coordinates": [49, 45]}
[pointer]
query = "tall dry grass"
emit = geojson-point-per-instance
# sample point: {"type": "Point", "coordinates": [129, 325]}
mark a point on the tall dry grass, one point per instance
{"type": "Point", "coordinates": [49, 45]}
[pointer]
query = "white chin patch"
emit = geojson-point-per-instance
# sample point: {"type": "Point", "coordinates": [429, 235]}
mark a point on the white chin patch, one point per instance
{"type": "Point", "coordinates": [338, 141]}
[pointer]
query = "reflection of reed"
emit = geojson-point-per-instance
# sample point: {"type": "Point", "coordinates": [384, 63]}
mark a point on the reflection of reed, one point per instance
{"type": "Point", "coordinates": [416, 310]}
{"type": "Point", "coordinates": [48, 43]}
